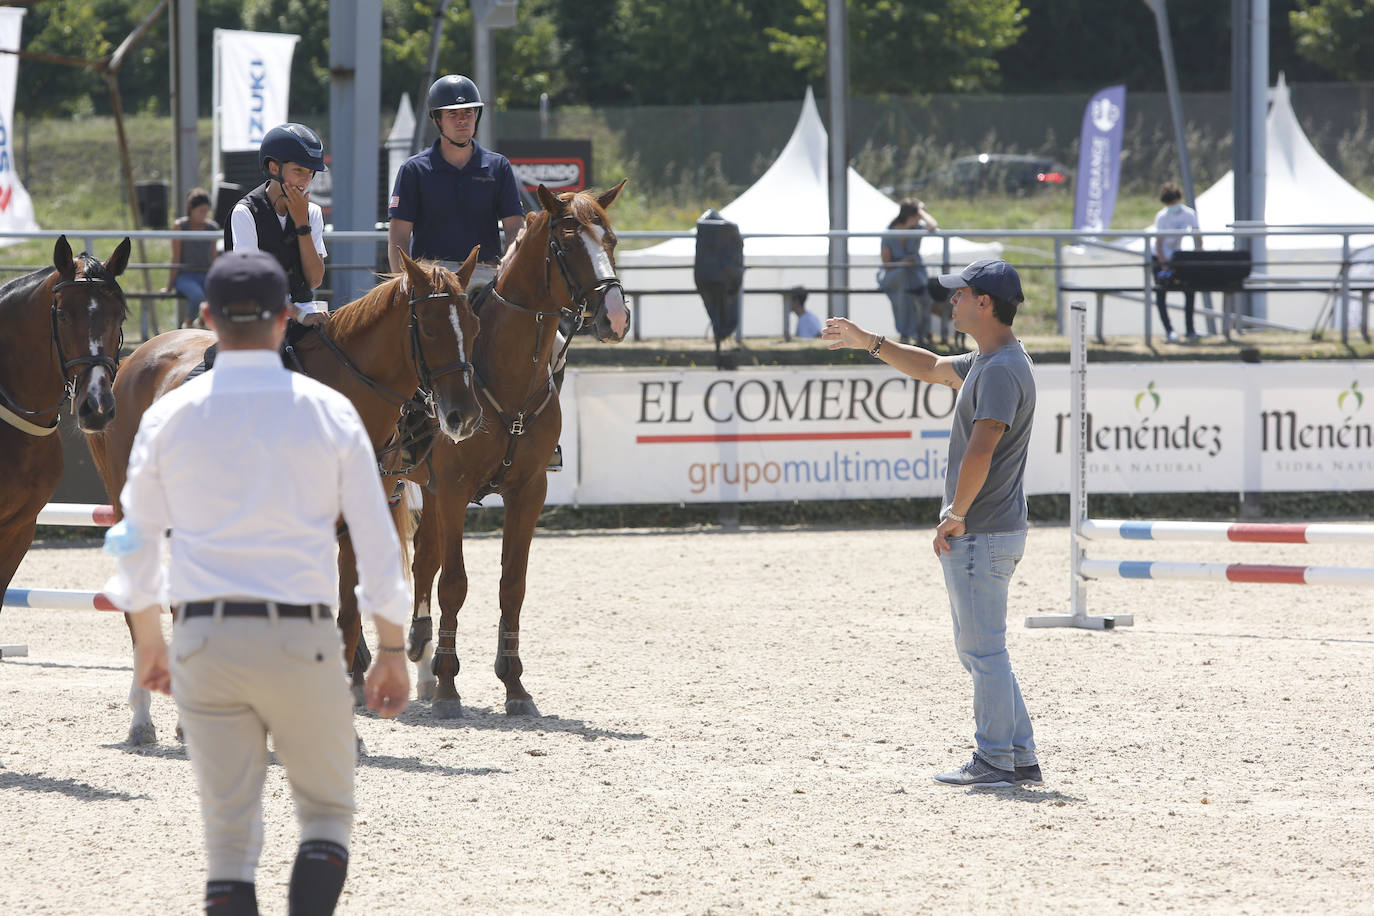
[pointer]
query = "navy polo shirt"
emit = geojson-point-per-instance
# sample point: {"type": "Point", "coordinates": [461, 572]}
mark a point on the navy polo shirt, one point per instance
{"type": "Point", "coordinates": [455, 209]}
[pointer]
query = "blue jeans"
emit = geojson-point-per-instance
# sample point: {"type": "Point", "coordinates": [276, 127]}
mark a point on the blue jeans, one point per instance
{"type": "Point", "coordinates": [978, 571]}
{"type": "Point", "coordinates": [192, 286]}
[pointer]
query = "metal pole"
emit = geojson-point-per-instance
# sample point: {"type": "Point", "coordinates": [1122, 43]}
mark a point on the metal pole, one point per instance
{"type": "Point", "coordinates": [355, 66]}
{"type": "Point", "coordinates": [1259, 124]}
{"type": "Point", "coordinates": [185, 99]}
{"type": "Point", "coordinates": [436, 32]}
{"type": "Point", "coordinates": [1166, 53]}
{"type": "Point", "coordinates": [486, 80]}
{"type": "Point", "coordinates": [837, 87]}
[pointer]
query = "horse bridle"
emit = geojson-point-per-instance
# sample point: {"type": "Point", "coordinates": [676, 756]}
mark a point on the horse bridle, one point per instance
{"type": "Point", "coordinates": [84, 364]}
{"type": "Point", "coordinates": [600, 286]}
{"type": "Point", "coordinates": [422, 370]}
{"type": "Point", "coordinates": [423, 373]}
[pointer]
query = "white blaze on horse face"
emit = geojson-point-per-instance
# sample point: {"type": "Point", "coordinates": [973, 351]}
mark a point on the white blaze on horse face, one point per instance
{"type": "Point", "coordinates": [616, 311]}
{"type": "Point", "coordinates": [97, 375]}
{"type": "Point", "coordinates": [458, 332]}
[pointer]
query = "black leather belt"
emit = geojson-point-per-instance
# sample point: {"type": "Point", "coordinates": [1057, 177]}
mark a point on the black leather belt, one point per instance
{"type": "Point", "coordinates": [252, 609]}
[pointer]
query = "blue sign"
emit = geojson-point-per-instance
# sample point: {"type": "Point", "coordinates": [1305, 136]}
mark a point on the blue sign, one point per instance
{"type": "Point", "coordinates": [1099, 160]}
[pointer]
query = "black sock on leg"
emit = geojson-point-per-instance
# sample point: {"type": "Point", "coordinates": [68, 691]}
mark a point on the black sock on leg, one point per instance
{"type": "Point", "coordinates": [317, 878]}
{"type": "Point", "coordinates": [231, 898]}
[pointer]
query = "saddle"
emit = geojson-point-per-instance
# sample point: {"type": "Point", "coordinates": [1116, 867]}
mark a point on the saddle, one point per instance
{"type": "Point", "coordinates": [295, 333]}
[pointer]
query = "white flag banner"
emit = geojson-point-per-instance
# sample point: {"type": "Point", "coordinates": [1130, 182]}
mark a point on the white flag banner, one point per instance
{"type": "Point", "coordinates": [252, 85]}
{"type": "Point", "coordinates": [16, 208]}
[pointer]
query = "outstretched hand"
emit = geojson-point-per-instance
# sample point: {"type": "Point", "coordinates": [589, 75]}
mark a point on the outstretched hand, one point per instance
{"type": "Point", "coordinates": [840, 333]}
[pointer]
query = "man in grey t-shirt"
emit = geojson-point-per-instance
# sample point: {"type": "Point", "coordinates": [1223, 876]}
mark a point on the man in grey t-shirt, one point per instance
{"type": "Point", "coordinates": [982, 531]}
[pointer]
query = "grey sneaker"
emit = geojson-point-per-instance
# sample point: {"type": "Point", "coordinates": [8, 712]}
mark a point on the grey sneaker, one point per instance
{"type": "Point", "coordinates": [977, 772]}
{"type": "Point", "coordinates": [1029, 776]}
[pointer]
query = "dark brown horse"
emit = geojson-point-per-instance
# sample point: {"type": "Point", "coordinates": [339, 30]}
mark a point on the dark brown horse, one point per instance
{"type": "Point", "coordinates": [414, 330]}
{"type": "Point", "coordinates": [60, 333]}
{"type": "Point", "coordinates": [562, 262]}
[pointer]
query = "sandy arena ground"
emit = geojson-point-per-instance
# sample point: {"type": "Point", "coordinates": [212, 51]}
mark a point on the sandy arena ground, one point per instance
{"type": "Point", "coordinates": [748, 722]}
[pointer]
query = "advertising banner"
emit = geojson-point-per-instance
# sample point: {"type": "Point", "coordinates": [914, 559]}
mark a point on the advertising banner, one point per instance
{"type": "Point", "coordinates": [559, 165]}
{"type": "Point", "coordinates": [696, 435]}
{"type": "Point", "coordinates": [16, 208]}
{"type": "Point", "coordinates": [252, 85]}
{"type": "Point", "coordinates": [1099, 160]}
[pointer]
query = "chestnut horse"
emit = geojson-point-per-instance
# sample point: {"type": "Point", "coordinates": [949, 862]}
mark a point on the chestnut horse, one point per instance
{"type": "Point", "coordinates": [414, 330]}
{"type": "Point", "coordinates": [562, 261]}
{"type": "Point", "coordinates": [61, 328]}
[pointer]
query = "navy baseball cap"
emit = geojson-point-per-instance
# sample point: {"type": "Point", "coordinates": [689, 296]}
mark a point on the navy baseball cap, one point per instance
{"type": "Point", "coordinates": [993, 276]}
{"type": "Point", "coordinates": [246, 286]}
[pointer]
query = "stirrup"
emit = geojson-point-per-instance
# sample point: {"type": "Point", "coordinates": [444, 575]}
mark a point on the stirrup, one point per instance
{"type": "Point", "coordinates": [556, 460]}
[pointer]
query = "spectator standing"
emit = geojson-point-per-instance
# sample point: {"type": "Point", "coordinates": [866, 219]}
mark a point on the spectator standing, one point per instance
{"type": "Point", "coordinates": [903, 274]}
{"type": "Point", "coordinates": [1173, 219]}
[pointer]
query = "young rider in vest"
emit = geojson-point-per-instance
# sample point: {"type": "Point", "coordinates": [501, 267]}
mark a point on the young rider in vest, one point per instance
{"type": "Point", "coordinates": [278, 217]}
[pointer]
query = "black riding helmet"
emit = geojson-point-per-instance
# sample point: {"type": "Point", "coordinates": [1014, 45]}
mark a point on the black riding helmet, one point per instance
{"type": "Point", "coordinates": [455, 91]}
{"type": "Point", "coordinates": [293, 143]}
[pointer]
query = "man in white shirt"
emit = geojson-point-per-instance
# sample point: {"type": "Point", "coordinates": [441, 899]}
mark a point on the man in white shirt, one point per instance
{"type": "Point", "coordinates": [247, 468]}
{"type": "Point", "coordinates": [1175, 215]}
{"type": "Point", "coordinates": [808, 325]}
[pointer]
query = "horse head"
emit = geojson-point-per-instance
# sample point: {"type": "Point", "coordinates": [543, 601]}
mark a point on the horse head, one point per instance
{"type": "Point", "coordinates": [443, 330]}
{"type": "Point", "coordinates": [88, 312]}
{"type": "Point", "coordinates": [583, 243]}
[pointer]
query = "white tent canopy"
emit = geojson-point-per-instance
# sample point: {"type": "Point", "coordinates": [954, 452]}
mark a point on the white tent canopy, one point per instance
{"type": "Point", "coordinates": [792, 196]}
{"type": "Point", "coordinates": [1300, 188]}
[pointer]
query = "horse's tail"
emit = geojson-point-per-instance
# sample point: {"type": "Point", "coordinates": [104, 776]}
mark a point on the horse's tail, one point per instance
{"type": "Point", "coordinates": [407, 518]}
{"type": "Point", "coordinates": [99, 444]}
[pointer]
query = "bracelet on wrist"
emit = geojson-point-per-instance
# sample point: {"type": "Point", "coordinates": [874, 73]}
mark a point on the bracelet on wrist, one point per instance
{"type": "Point", "coordinates": [396, 650]}
{"type": "Point", "coordinates": [877, 345]}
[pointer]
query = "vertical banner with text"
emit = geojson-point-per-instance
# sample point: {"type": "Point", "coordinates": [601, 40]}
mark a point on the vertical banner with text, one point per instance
{"type": "Point", "coordinates": [252, 85]}
{"type": "Point", "coordinates": [16, 209]}
{"type": "Point", "coordinates": [1099, 160]}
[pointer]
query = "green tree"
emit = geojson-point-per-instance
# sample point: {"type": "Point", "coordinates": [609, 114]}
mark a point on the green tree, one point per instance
{"type": "Point", "coordinates": [906, 46]}
{"type": "Point", "coordinates": [1337, 35]}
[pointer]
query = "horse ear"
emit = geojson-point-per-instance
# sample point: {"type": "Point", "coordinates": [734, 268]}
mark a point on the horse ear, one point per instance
{"type": "Point", "coordinates": [62, 257]}
{"type": "Point", "coordinates": [550, 201]}
{"type": "Point", "coordinates": [465, 272]}
{"type": "Point", "coordinates": [414, 271]}
{"type": "Point", "coordinates": [120, 259]}
{"type": "Point", "coordinates": [606, 198]}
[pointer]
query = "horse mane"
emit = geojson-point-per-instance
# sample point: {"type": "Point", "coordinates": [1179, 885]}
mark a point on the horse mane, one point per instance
{"type": "Point", "coordinates": [94, 269]}
{"type": "Point", "coordinates": [357, 316]}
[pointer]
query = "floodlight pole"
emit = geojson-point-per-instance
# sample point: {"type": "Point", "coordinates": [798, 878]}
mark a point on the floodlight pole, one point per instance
{"type": "Point", "coordinates": [837, 88]}
{"type": "Point", "coordinates": [486, 16]}
{"type": "Point", "coordinates": [1166, 53]}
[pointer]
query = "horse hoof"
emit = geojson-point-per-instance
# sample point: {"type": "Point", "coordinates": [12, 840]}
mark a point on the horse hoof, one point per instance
{"type": "Point", "coordinates": [447, 709]}
{"type": "Point", "coordinates": [359, 697]}
{"type": "Point", "coordinates": [521, 708]}
{"type": "Point", "coordinates": [142, 735]}
{"type": "Point", "coordinates": [424, 690]}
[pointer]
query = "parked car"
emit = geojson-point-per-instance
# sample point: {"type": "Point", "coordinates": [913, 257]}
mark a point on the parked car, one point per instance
{"type": "Point", "coordinates": [1003, 172]}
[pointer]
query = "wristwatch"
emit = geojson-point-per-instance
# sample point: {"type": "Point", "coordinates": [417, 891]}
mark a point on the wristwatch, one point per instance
{"type": "Point", "coordinates": [303, 229]}
{"type": "Point", "coordinates": [949, 513]}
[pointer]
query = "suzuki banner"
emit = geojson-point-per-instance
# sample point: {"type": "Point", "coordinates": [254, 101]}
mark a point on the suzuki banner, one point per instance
{"type": "Point", "coordinates": [252, 85]}
{"type": "Point", "coordinates": [666, 436]}
{"type": "Point", "coordinates": [16, 209]}
{"type": "Point", "coordinates": [1099, 160]}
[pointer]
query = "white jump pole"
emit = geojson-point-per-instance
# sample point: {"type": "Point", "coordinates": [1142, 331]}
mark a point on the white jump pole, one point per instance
{"type": "Point", "coordinates": [1078, 489]}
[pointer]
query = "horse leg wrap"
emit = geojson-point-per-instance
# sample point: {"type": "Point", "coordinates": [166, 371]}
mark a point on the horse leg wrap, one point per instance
{"type": "Point", "coordinates": [317, 878]}
{"type": "Point", "coordinates": [443, 650]}
{"type": "Point", "coordinates": [510, 643]}
{"type": "Point", "coordinates": [421, 629]}
{"type": "Point", "coordinates": [231, 898]}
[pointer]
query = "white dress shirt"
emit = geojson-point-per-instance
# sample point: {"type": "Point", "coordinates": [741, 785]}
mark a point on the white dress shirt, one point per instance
{"type": "Point", "coordinates": [250, 466]}
{"type": "Point", "coordinates": [244, 231]}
